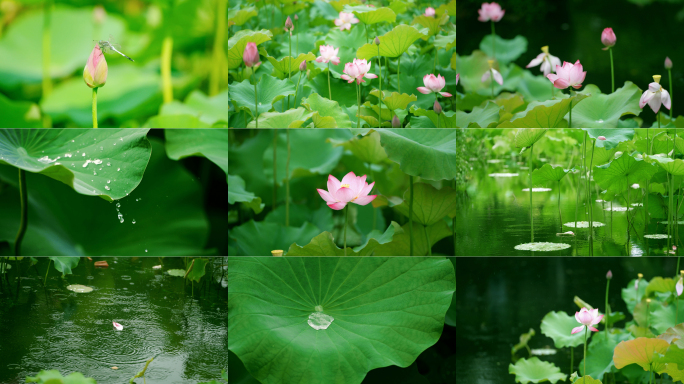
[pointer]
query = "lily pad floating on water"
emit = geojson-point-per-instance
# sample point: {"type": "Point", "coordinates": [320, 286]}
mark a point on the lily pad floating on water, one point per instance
{"type": "Point", "coordinates": [542, 246]}
{"type": "Point", "coordinates": [494, 161]}
{"type": "Point", "coordinates": [78, 288]}
{"type": "Point", "coordinates": [176, 272]}
{"type": "Point", "coordinates": [637, 204]}
{"type": "Point", "coordinates": [618, 209]}
{"type": "Point", "coordinates": [503, 174]}
{"type": "Point", "coordinates": [657, 236]}
{"type": "Point", "coordinates": [584, 224]}
{"type": "Point", "coordinates": [537, 189]}
{"type": "Point", "coordinates": [680, 222]}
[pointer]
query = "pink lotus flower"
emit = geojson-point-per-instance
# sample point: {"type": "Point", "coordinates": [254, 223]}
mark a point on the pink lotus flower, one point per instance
{"type": "Point", "coordinates": [118, 326]}
{"type": "Point", "coordinates": [434, 85]}
{"type": "Point", "coordinates": [352, 189]}
{"type": "Point", "coordinates": [668, 63]}
{"type": "Point", "coordinates": [655, 96]}
{"type": "Point", "coordinates": [346, 20]}
{"type": "Point", "coordinates": [429, 11]}
{"type": "Point", "coordinates": [490, 11]}
{"type": "Point", "coordinates": [328, 54]}
{"type": "Point", "coordinates": [608, 38]}
{"type": "Point", "coordinates": [601, 137]}
{"type": "Point", "coordinates": [569, 75]}
{"type": "Point", "coordinates": [488, 74]}
{"type": "Point", "coordinates": [95, 71]}
{"type": "Point", "coordinates": [548, 61]}
{"type": "Point", "coordinates": [680, 285]}
{"type": "Point", "coordinates": [587, 318]}
{"type": "Point", "coordinates": [251, 55]}
{"type": "Point", "coordinates": [457, 79]}
{"type": "Point", "coordinates": [357, 70]}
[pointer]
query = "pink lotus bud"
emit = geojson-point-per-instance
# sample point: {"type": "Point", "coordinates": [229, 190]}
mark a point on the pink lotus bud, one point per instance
{"type": "Point", "coordinates": [377, 42]}
{"type": "Point", "coordinates": [437, 107]}
{"type": "Point", "coordinates": [95, 71]}
{"type": "Point", "coordinates": [288, 24]}
{"type": "Point", "coordinates": [608, 38]}
{"type": "Point", "coordinates": [429, 11]}
{"type": "Point", "coordinates": [601, 137]}
{"type": "Point", "coordinates": [251, 55]}
{"type": "Point", "coordinates": [668, 63]}
{"type": "Point", "coordinates": [302, 66]}
{"type": "Point", "coordinates": [609, 275]}
{"type": "Point", "coordinates": [296, 17]}
{"type": "Point", "coordinates": [395, 122]}
{"type": "Point", "coordinates": [457, 76]}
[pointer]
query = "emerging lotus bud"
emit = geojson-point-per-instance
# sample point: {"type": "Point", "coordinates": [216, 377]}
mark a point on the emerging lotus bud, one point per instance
{"type": "Point", "coordinates": [601, 137]}
{"type": "Point", "coordinates": [95, 71]}
{"type": "Point", "coordinates": [609, 275]}
{"type": "Point", "coordinates": [668, 63]}
{"type": "Point", "coordinates": [377, 42]}
{"type": "Point", "coordinates": [608, 38]}
{"type": "Point", "coordinates": [429, 11]}
{"type": "Point", "coordinates": [437, 107]}
{"type": "Point", "coordinates": [296, 17]}
{"type": "Point", "coordinates": [288, 24]}
{"type": "Point", "coordinates": [251, 55]}
{"type": "Point", "coordinates": [302, 66]}
{"type": "Point", "coordinates": [395, 122]}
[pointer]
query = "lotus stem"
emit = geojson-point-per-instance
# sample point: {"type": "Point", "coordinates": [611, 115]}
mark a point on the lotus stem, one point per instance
{"type": "Point", "coordinates": [289, 70]}
{"type": "Point", "coordinates": [570, 119]}
{"type": "Point", "coordinates": [167, 86]}
{"type": "Point", "coordinates": [358, 99]}
{"type": "Point", "coordinates": [612, 72]}
{"type": "Point", "coordinates": [297, 90]}
{"type": "Point", "coordinates": [453, 222]}
{"type": "Point", "coordinates": [572, 358]}
{"type": "Point", "coordinates": [493, 42]}
{"type": "Point", "coordinates": [256, 107]}
{"type": "Point", "coordinates": [346, 219]}
{"type": "Point", "coordinates": [46, 272]}
{"type": "Point", "coordinates": [215, 74]}
{"type": "Point", "coordinates": [491, 70]}
{"type": "Point", "coordinates": [559, 208]}
{"type": "Point", "coordinates": [669, 75]}
{"type": "Point", "coordinates": [398, 72]}
{"type": "Point", "coordinates": [591, 206]}
{"type": "Point", "coordinates": [434, 64]}
{"type": "Point", "coordinates": [23, 198]}
{"type": "Point", "coordinates": [329, 91]}
{"type": "Point", "coordinates": [410, 215]}
{"type": "Point", "coordinates": [287, 177]}
{"type": "Point", "coordinates": [529, 161]}
{"type": "Point", "coordinates": [427, 239]}
{"type": "Point", "coordinates": [95, 107]}
{"type": "Point", "coordinates": [584, 373]}
{"type": "Point", "coordinates": [275, 185]}
{"type": "Point", "coordinates": [607, 308]}
{"type": "Point", "coordinates": [381, 95]}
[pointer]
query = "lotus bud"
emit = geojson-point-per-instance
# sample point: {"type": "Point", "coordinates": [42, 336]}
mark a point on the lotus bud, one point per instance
{"type": "Point", "coordinates": [302, 66]}
{"type": "Point", "coordinates": [437, 107]}
{"type": "Point", "coordinates": [609, 275]}
{"type": "Point", "coordinates": [668, 63]}
{"type": "Point", "coordinates": [601, 137]}
{"type": "Point", "coordinates": [251, 55]}
{"type": "Point", "coordinates": [682, 271]}
{"type": "Point", "coordinates": [608, 38]}
{"type": "Point", "coordinates": [288, 24]}
{"type": "Point", "coordinates": [296, 17]}
{"type": "Point", "coordinates": [95, 71]}
{"type": "Point", "coordinates": [395, 122]}
{"type": "Point", "coordinates": [377, 42]}
{"type": "Point", "coordinates": [277, 252]}
{"type": "Point", "coordinates": [99, 14]}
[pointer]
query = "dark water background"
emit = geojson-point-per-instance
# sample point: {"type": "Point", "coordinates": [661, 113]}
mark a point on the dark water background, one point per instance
{"type": "Point", "coordinates": [54, 328]}
{"type": "Point", "coordinates": [498, 299]}
{"type": "Point", "coordinates": [572, 30]}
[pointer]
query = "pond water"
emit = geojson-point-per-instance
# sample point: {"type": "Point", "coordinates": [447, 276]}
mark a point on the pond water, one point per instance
{"type": "Point", "coordinates": [499, 299]}
{"type": "Point", "coordinates": [50, 327]}
{"type": "Point", "coordinates": [495, 217]}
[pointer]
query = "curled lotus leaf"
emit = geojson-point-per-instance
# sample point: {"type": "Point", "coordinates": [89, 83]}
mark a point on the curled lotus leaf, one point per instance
{"type": "Point", "coordinates": [638, 351]}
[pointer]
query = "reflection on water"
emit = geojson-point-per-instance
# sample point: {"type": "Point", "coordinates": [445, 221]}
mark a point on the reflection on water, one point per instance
{"type": "Point", "coordinates": [55, 328]}
{"type": "Point", "coordinates": [496, 217]}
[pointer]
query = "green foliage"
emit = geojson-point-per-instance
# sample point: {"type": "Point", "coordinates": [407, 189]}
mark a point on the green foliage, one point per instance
{"type": "Point", "coordinates": [430, 205]}
{"type": "Point", "coordinates": [535, 371]}
{"type": "Point", "coordinates": [54, 377]}
{"type": "Point", "coordinates": [544, 114]}
{"type": "Point", "coordinates": [547, 175]}
{"type": "Point", "coordinates": [558, 326]}
{"type": "Point", "coordinates": [269, 91]}
{"type": "Point", "coordinates": [324, 107]}
{"type": "Point", "coordinates": [604, 111]}
{"type": "Point", "coordinates": [238, 42]}
{"type": "Point", "coordinates": [209, 143]}
{"type": "Point", "coordinates": [507, 51]}
{"type": "Point", "coordinates": [64, 264]}
{"type": "Point", "coordinates": [425, 153]}
{"type": "Point", "coordinates": [238, 194]}
{"type": "Point", "coordinates": [393, 43]}
{"type": "Point", "coordinates": [368, 15]}
{"type": "Point", "coordinates": [618, 175]}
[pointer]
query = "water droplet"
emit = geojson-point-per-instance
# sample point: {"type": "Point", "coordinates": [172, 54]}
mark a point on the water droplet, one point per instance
{"type": "Point", "coordinates": [319, 320]}
{"type": "Point", "coordinates": [114, 143]}
{"type": "Point", "coordinates": [95, 174]}
{"type": "Point", "coordinates": [118, 205]}
{"type": "Point", "coordinates": [109, 181]}
{"type": "Point", "coordinates": [67, 155]}
{"type": "Point", "coordinates": [22, 151]}
{"type": "Point", "coordinates": [55, 163]}
{"type": "Point", "coordinates": [121, 219]}
{"type": "Point", "coordinates": [97, 161]}
{"type": "Point", "coordinates": [118, 169]}
{"type": "Point", "coordinates": [83, 154]}
{"type": "Point", "coordinates": [107, 188]}
{"type": "Point", "coordinates": [73, 141]}
{"type": "Point", "coordinates": [146, 249]}
{"type": "Point", "coordinates": [121, 139]}
{"type": "Point", "coordinates": [102, 148]}
{"type": "Point", "coordinates": [138, 199]}
{"type": "Point", "coordinates": [134, 223]}
{"type": "Point", "coordinates": [110, 164]}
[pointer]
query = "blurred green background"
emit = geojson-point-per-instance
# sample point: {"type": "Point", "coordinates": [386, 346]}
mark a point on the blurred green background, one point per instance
{"type": "Point", "coordinates": [647, 31]}
{"type": "Point", "coordinates": [179, 77]}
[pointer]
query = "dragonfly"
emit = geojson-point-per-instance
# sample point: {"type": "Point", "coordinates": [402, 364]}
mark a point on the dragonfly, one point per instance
{"type": "Point", "coordinates": [106, 45]}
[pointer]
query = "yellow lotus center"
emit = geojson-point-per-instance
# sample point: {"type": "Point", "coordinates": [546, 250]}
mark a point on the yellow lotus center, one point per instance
{"type": "Point", "coordinates": [344, 186]}
{"type": "Point", "coordinates": [656, 78]}
{"type": "Point", "coordinates": [545, 49]}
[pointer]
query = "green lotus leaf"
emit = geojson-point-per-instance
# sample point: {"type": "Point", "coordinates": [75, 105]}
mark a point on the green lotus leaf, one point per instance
{"type": "Point", "coordinates": [658, 284]}
{"type": "Point", "coordinates": [399, 246]}
{"type": "Point", "coordinates": [662, 317]}
{"type": "Point", "coordinates": [604, 111]}
{"type": "Point", "coordinates": [209, 143]}
{"type": "Point", "coordinates": [676, 374]}
{"type": "Point", "coordinates": [393, 43]}
{"type": "Point", "coordinates": [324, 244]}
{"type": "Point", "coordinates": [167, 207]}
{"type": "Point", "coordinates": [656, 145]}
{"type": "Point", "coordinates": [618, 175]}
{"type": "Point", "coordinates": [299, 214]}
{"type": "Point", "coordinates": [269, 91]}
{"type": "Point", "coordinates": [535, 371]}
{"type": "Point", "coordinates": [369, 15]}
{"type": "Point", "coordinates": [176, 272]}
{"type": "Point", "coordinates": [297, 315]}
{"type": "Point", "coordinates": [175, 121]}
{"type": "Point", "coordinates": [614, 136]}
{"type": "Point", "coordinates": [480, 117]}
{"type": "Point", "coordinates": [54, 377]}
{"type": "Point", "coordinates": [430, 204]}
{"type": "Point", "coordinates": [238, 194]}
{"type": "Point", "coordinates": [83, 159]}
{"type": "Point", "coordinates": [395, 100]}
{"type": "Point", "coordinates": [196, 270]}
{"type": "Point", "coordinates": [238, 42]}
{"type": "Point", "coordinates": [453, 61]}
{"type": "Point", "coordinates": [507, 51]}
{"type": "Point", "coordinates": [547, 174]}
{"type": "Point", "coordinates": [587, 380]}
{"type": "Point", "coordinates": [323, 122]}
{"type": "Point", "coordinates": [446, 42]}
{"type": "Point", "coordinates": [674, 356]}
{"type": "Point", "coordinates": [544, 114]}
{"type": "Point", "coordinates": [524, 339]}
{"type": "Point", "coordinates": [368, 148]}
{"type": "Point", "coordinates": [600, 353]}
{"type": "Point", "coordinates": [558, 326]}
{"type": "Point", "coordinates": [542, 246]}
{"type": "Point", "coordinates": [428, 153]}
{"type": "Point", "coordinates": [432, 120]}
{"type": "Point", "coordinates": [288, 64]}
{"type": "Point", "coordinates": [210, 110]}
{"type": "Point", "coordinates": [527, 137]}
{"type": "Point", "coordinates": [327, 108]}
{"type": "Point", "coordinates": [671, 166]}
{"type": "Point", "coordinates": [396, 375]}
{"type": "Point", "coordinates": [343, 39]}
{"type": "Point", "coordinates": [674, 334]}
{"type": "Point", "coordinates": [601, 156]}
{"type": "Point", "coordinates": [449, 8]}
{"type": "Point", "coordinates": [339, 4]}
{"type": "Point", "coordinates": [292, 118]}
{"type": "Point", "coordinates": [78, 288]}
{"type": "Point", "coordinates": [632, 296]}
{"type": "Point", "coordinates": [433, 24]}
{"type": "Point", "coordinates": [19, 114]}
{"type": "Point", "coordinates": [241, 16]}
{"type": "Point", "coordinates": [639, 351]}
{"type": "Point", "coordinates": [64, 264]}
{"type": "Point", "coordinates": [256, 238]}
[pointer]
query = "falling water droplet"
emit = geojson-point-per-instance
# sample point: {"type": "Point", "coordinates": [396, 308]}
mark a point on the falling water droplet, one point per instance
{"type": "Point", "coordinates": [121, 219]}
{"type": "Point", "coordinates": [134, 223]}
{"type": "Point", "coordinates": [146, 249]}
{"type": "Point", "coordinates": [118, 205]}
